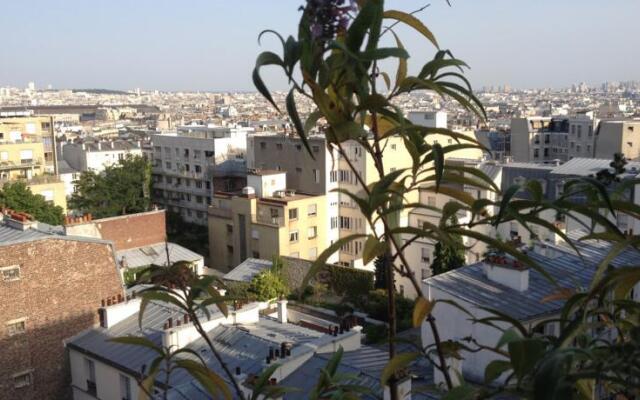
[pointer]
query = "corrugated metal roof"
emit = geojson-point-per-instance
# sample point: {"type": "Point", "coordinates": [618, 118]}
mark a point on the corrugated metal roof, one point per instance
{"type": "Point", "coordinates": [591, 166]}
{"type": "Point", "coordinates": [470, 283]}
{"type": "Point", "coordinates": [156, 254]}
{"type": "Point", "coordinates": [9, 235]}
{"type": "Point", "coordinates": [247, 270]}
{"type": "Point", "coordinates": [490, 169]}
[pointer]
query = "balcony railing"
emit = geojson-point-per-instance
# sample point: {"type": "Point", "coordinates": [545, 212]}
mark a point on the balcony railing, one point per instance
{"type": "Point", "coordinates": [269, 220]}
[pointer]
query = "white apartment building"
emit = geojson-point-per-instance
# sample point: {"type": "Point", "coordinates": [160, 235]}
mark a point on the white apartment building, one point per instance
{"type": "Point", "coordinates": [96, 156]}
{"type": "Point", "coordinates": [188, 164]}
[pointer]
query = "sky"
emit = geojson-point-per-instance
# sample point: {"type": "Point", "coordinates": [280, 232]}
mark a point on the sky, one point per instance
{"type": "Point", "coordinates": [211, 45]}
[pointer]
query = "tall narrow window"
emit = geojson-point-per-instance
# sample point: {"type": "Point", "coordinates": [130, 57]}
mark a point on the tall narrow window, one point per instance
{"type": "Point", "coordinates": [90, 373]}
{"type": "Point", "coordinates": [125, 387]}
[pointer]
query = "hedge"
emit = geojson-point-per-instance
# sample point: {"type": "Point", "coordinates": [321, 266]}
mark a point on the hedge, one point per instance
{"type": "Point", "coordinates": [346, 280]}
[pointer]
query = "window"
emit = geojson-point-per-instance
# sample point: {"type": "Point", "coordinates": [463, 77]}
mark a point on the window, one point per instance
{"type": "Point", "coordinates": [298, 170]}
{"type": "Point", "coordinates": [279, 146]}
{"type": "Point", "coordinates": [312, 232]}
{"type": "Point", "coordinates": [230, 250]}
{"type": "Point", "coordinates": [22, 379]}
{"type": "Point", "coordinates": [199, 184]}
{"type": "Point", "coordinates": [316, 149]}
{"type": "Point", "coordinates": [425, 273]}
{"type": "Point", "coordinates": [125, 387]}
{"type": "Point", "coordinates": [293, 213]}
{"type": "Point", "coordinates": [312, 210]}
{"type": "Point", "coordinates": [590, 130]}
{"type": "Point", "coordinates": [198, 168]}
{"type": "Point", "coordinates": [255, 254]}
{"type": "Point", "coordinates": [579, 131]}
{"type": "Point", "coordinates": [431, 201]}
{"type": "Point", "coordinates": [334, 222]}
{"type": "Point", "coordinates": [333, 176]}
{"type": "Point", "coordinates": [425, 257]}
{"type": "Point", "coordinates": [345, 223]}
{"type": "Point", "coordinates": [167, 165]}
{"type": "Point", "coordinates": [536, 153]}
{"type": "Point", "coordinates": [167, 151]}
{"type": "Point", "coordinates": [11, 273]}
{"type": "Point", "coordinates": [293, 236]}
{"type": "Point", "coordinates": [393, 146]}
{"type": "Point", "coordinates": [17, 326]}
{"type": "Point", "coordinates": [197, 154]}
{"type": "Point", "coordinates": [513, 229]}
{"type": "Point", "coordinates": [313, 253]}
{"type": "Point", "coordinates": [316, 175]}
{"type": "Point", "coordinates": [392, 169]}
{"type": "Point", "coordinates": [298, 147]}
{"type": "Point", "coordinates": [90, 373]}
{"type": "Point", "coordinates": [199, 199]}
{"type": "Point", "coordinates": [229, 228]}
{"type": "Point", "coordinates": [263, 145]}
{"type": "Point", "coordinates": [187, 167]}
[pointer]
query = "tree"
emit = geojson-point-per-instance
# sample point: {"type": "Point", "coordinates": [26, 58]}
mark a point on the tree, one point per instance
{"type": "Point", "coordinates": [448, 257]}
{"type": "Point", "coordinates": [123, 188]}
{"type": "Point", "coordinates": [380, 273]}
{"type": "Point", "coordinates": [268, 285]}
{"type": "Point", "coordinates": [18, 197]}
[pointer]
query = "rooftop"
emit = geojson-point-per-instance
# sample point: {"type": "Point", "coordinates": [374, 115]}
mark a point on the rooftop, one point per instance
{"type": "Point", "coordinates": [591, 166]}
{"type": "Point", "coordinates": [470, 283]}
{"type": "Point", "coordinates": [156, 254]}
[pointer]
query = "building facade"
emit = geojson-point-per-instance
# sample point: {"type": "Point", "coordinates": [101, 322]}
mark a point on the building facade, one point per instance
{"type": "Point", "coordinates": [265, 220]}
{"type": "Point", "coordinates": [51, 287]}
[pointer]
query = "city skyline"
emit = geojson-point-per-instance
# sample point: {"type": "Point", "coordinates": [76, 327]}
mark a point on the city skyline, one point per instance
{"type": "Point", "coordinates": [159, 46]}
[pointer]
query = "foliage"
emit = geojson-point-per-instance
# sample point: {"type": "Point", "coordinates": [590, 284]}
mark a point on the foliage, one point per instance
{"type": "Point", "coordinates": [268, 285]}
{"type": "Point", "coordinates": [353, 281]}
{"type": "Point", "coordinates": [375, 334]}
{"type": "Point", "coordinates": [122, 188]}
{"type": "Point", "coordinates": [375, 304]}
{"type": "Point", "coordinates": [239, 291]}
{"type": "Point", "coordinates": [380, 273]}
{"type": "Point", "coordinates": [450, 256]}
{"type": "Point", "coordinates": [191, 236]}
{"type": "Point", "coordinates": [131, 275]}
{"type": "Point", "coordinates": [18, 197]}
{"type": "Point", "coordinates": [333, 384]}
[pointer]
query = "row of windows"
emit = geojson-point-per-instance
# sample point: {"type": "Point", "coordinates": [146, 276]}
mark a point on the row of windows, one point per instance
{"type": "Point", "coordinates": [178, 181]}
{"type": "Point", "coordinates": [92, 386]}
{"type": "Point", "coordinates": [186, 153]}
{"type": "Point", "coordinates": [312, 211]}
{"type": "Point", "coordinates": [279, 146]}
{"type": "Point", "coordinates": [312, 233]}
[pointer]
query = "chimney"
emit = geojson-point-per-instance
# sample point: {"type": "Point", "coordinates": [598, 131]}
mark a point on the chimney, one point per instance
{"type": "Point", "coordinates": [116, 312]}
{"type": "Point", "coordinates": [282, 311]}
{"type": "Point", "coordinates": [507, 272]}
{"type": "Point", "coordinates": [99, 144]}
{"type": "Point", "coordinates": [19, 220]}
{"type": "Point", "coordinates": [404, 389]}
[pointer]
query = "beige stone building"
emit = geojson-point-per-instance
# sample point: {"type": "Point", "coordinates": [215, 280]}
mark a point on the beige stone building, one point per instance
{"type": "Point", "coordinates": [28, 153]}
{"type": "Point", "coordinates": [621, 136]}
{"type": "Point", "coordinates": [265, 220]}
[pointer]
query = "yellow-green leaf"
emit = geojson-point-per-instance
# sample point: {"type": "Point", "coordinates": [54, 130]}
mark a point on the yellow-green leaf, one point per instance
{"type": "Point", "coordinates": [413, 22]}
{"type": "Point", "coordinates": [421, 309]}
{"type": "Point", "coordinates": [397, 363]}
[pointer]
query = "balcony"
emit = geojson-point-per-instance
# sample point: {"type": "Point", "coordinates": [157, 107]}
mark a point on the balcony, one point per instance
{"type": "Point", "coordinates": [269, 220]}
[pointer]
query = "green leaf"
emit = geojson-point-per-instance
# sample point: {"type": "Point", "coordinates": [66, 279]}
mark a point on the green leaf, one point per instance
{"type": "Point", "coordinates": [394, 365]}
{"type": "Point", "coordinates": [525, 354]}
{"type": "Point", "coordinates": [401, 73]}
{"type": "Point", "coordinates": [295, 118]}
{"type": "Point", "coordinates": [384, 52]}
{"type": "Point", "coordinates": [421, 309]}
{"type": "Point", "coordinates": [508, 336]}
{"type": "Point", "coordinates": [494, 369]}
{"type": "Point", "coordinates": [209, 380]}
{"type": "Point", "coordinates": [413, 22]}
{"type": "Point", "coordinates": [348, 130]}
{"type": "Point", "coordinates": [372, 249]}
{"type": "Point", "coordinates": [265, 58]}
{"type": "Point", "coordinates": [504, 204]}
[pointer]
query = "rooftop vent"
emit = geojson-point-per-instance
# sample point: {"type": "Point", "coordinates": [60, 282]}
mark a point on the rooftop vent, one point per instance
{"type": "Point", "coordinates": [248, 191]}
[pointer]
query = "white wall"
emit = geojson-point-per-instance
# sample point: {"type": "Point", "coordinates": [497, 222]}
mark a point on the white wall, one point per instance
{"type": "Point", "coordinates": [107, 379]}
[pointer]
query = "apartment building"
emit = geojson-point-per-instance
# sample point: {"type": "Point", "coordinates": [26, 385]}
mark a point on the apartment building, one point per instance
{"type": "Point", "coordinates": [553, 139]}
{"type": "Point", "coordinates": [327, 170]}
{"type": "Point", "coordinates": [619, 136]}
{"type": "Point", "coordinates": [27, 153]}
{"type": "Point", "coordinates": [51, 286]}
{"type": "Point", "coordinates": [96, 156]}
{"type": "Point", "coordinates": [189, 165]}
{"type": "Point", "coordinates": [25, 128]}
{"type": "Point", "coordinates": [264, 220]}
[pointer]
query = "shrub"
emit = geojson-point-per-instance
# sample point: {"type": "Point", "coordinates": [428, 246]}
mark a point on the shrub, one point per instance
{"type": "Point", "coordinates": [268, 285]}
{"type": "Point", "coordinates": [345, 280]}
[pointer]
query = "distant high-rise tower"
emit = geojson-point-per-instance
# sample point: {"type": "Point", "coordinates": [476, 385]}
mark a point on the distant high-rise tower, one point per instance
{"type": "Point", "coordinates": [31, 86]}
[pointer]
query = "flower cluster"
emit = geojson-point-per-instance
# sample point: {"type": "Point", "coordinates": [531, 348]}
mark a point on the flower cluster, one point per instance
{"type": "Point", "coordinates": [329, 17]}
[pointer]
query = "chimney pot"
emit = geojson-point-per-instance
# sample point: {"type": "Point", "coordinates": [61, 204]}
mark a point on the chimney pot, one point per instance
{"type": "Point", "coordinates": [170, 321]}
{"type": "Point", "coordinates": [108, 302]}
{"type": "Point", "coordinates": [178, 322]}
{"type": "Point", "coordinates": [238, 371]}
{"type": "Point", "coordinates": [186, 319]}
{"type": "Point", "coordinates": [104, 303]}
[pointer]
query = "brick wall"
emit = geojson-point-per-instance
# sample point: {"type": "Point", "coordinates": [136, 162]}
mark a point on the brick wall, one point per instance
{"type": "Point", "coordinates": [59, 291]}
{"type": "Point", "coordinates": [126, 231]}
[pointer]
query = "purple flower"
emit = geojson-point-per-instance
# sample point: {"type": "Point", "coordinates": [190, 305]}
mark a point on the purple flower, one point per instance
{"type": "Point", "coordinates": [329, 17]}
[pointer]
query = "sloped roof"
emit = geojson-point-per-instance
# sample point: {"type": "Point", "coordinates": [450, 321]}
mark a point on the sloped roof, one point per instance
{"type": "Point", "coordinates": [156, 254]}
{"type": "Point", "coordinates": [247, 270]}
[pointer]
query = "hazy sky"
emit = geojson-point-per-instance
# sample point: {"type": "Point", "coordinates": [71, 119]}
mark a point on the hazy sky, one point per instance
{"type": "Point", "coordinates": [211, 44]}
